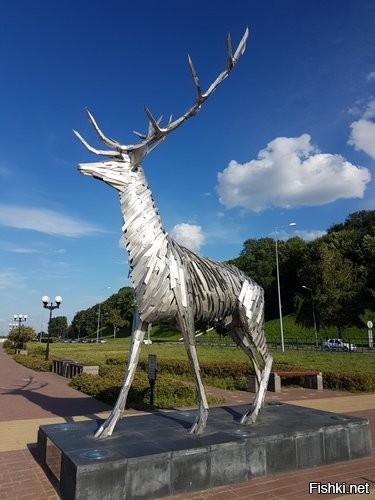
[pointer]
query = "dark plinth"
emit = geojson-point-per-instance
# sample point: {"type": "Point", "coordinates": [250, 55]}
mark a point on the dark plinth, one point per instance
{"type": "Point", "coordinates": [153, 456]}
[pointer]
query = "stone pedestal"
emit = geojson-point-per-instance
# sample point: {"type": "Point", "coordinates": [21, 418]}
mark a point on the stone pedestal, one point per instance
{"type": "Point", "coordinates": [153, 456]}
{"type": "Point", "coordinates": [309, 381]}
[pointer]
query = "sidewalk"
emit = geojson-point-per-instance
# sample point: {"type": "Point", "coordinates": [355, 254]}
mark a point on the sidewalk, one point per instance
{"type": "Point", "coordinates": [29, 399]}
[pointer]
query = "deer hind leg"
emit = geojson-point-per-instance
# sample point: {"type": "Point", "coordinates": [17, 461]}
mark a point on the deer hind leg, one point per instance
{"type": "Point", "coordinates": [248, 332]}
{"type": "Point", "coordinates": [187, 327]}
{"type": "Point", "coordinates": [137, 336]}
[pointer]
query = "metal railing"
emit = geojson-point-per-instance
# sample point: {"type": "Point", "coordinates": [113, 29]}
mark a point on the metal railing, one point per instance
{"type": "Point", "coordinates": [292, 344]}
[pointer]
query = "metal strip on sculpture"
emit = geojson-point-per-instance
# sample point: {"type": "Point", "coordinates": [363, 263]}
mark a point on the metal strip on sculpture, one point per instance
{"type": "Point", "coordinates": [171, 283]}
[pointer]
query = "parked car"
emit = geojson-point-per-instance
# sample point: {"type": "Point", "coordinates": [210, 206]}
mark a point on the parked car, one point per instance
{"type": "Point", "coordinates": [338, 345]}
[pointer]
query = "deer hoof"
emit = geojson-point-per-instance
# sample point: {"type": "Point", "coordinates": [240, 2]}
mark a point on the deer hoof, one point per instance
{"type": "Point", "coordinates": [197, 428]}
{"type": "Point", "coordinates": [249, 418]}
{"type": "Point", "coordinates": [103, 432]}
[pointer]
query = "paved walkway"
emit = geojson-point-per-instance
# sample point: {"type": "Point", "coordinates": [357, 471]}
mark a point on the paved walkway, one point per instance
{"type": "Point", "coordinates": [29, 399]}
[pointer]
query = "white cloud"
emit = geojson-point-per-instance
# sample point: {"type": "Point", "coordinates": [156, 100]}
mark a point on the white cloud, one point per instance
{"type": "Point", "coordinates": [188, 235]}
{"type": "Point", "coordinates": [371, 76]}
{"type": "Point", "coordinates": [12, 248]}
{"type": "Point", "coordinates": [362, 136]}
{"type": "Point", "coordinates": [370, 110]}
{"type": "Point", "coordinates": [290, 172]}
{"type": "Point", "coordinates": [44, 221]}
{"type": "Point", "coordinates": [10, 279]}
{"type": "Point", "coordinates": [310, 235]}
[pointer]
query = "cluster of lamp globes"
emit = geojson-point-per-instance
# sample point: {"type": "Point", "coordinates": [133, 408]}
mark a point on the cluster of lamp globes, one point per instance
{"type": "Point", "coordinates": [19, 318]}
{"type": "Point", "coordinates": [46, 300]}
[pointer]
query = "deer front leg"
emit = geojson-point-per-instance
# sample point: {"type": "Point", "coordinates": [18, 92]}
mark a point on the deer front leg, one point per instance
{"type": "Point", "coordinates": [138, 333]}
{"type": "Point", "coordinates": [188, 332]}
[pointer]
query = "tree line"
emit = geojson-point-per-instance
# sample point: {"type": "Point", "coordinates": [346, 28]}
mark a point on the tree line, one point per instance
{"type": "Point", "coordinates": [115, 312]}
{"type": "Point", "coordinates": [335, 271]}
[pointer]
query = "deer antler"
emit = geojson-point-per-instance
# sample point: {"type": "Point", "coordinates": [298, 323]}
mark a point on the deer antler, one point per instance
{"type": "Point", "coordinates": [109, 142]}
{"type": "Point", "coordinates": [156, 134]}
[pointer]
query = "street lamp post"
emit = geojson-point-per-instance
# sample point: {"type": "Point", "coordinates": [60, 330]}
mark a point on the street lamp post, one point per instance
{"type": "Point", "coordinates": [313, 313]}
{"type": "Point", "coordinates": [98, 322]}
{"type": "Point", "coordinates": [98, 325]}
{"type": "Point", "coordinates": [20, 318]}
{"type": "Point", "coordinates": [51, 307]}
{"type": "Point", "coordinates": [278, 284]}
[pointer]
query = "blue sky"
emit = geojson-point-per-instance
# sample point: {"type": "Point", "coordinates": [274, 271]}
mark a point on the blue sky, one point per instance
{"type": "Point", "coordinates": [288, 137]}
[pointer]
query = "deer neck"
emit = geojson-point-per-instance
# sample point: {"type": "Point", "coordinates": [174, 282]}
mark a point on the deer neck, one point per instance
{"type": "Point", "coordinates": [143, 231]}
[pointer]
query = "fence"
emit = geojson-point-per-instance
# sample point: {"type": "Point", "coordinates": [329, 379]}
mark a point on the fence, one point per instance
{"type": "Point", "coordinates": [292, 344]}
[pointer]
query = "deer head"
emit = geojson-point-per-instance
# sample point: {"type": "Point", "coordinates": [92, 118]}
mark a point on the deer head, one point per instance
{"type": "Point", "coordinates": [125, 159]}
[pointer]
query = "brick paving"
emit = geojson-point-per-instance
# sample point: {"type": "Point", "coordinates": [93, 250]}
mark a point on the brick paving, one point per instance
{"type": "Point", "coordinates": [29, 399]}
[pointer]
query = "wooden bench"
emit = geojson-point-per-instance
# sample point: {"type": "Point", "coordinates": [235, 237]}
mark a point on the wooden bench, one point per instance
{"type": "Point", "coordinates": [311, 380]}
{"type": "Point", "coordinates": [67, 368]}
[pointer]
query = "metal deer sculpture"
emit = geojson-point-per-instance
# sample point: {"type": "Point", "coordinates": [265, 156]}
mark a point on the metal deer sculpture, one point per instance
{"type": "Point", "coordinates": [172, 284]}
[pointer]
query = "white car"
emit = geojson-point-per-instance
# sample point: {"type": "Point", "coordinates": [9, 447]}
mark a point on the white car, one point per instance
{"type": "Point", "coordinates": [338, 345]}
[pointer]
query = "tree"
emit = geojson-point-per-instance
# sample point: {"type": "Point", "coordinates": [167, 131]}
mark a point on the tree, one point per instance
{"type": "Point", "coordinates": [115, 320]}
{"type": "Point", "coordinates": [363, 222]}
{"type": "Point", "coordinates": [257, 260]}
{"type": "Point", "coordinates": [58, 327]}
{"type": "Point", "coordinates": [336, 289]}
{"type": "Point", "coordinates": [291, 258]}
{"type": "Point", "coordinates": [21, 335]}
{"type": "Point", "coordinates": [355, 239]}
{"type": "Point", "coordinates": [125, 303]}
{"type": "Point", "coordinates": [85, 322]}
{"type": "Point", "coordinates": [41, 335]}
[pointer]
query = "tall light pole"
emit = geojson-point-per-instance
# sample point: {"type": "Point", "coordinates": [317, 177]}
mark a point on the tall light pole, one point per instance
{"type": "Point", "coordinates": [313, 313]}
{"type": "Point", "coordinates": [20, 318]}
{"type": "Point", "coordinates": [278, 283]}
{"type": "Point", "coordinates": [51, 307]}
{"type": "Point", "coordinates": [98, 325]}
{"type": "Point", "coordinates": [98, 322]}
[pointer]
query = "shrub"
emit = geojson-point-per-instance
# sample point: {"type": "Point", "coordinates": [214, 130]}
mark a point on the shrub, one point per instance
{"type": "Point", "coordinates": [37, 363]}
{"type": "Point", "coordinates": [220, 369]}
{"type": "Point", "coordinates": [349, 382]}
{"type": "Point", "coordinates": [169, 393]}
{"type": "Point", "coordinates": [8, 345]}
{"type": "Point", "coordinates": [21, 335]}
{"type": "Point", "coordinates": [110, 370]}
{"type": "Point", "coordinates": [115, 361]}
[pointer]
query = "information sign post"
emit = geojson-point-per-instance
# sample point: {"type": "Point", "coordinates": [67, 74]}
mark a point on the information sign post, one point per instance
{"type": "Point", "coordinates": [152, 375]}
